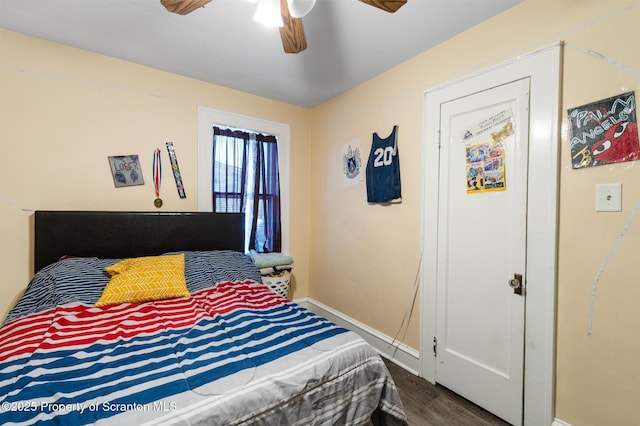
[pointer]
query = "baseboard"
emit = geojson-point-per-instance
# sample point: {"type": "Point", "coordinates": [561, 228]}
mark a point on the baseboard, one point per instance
{"type": "Point", "coordinates": [401, 354]}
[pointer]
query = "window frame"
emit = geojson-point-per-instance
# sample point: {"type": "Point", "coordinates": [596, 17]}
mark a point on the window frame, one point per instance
{"type": "Point", "coordinates": [209, 117]}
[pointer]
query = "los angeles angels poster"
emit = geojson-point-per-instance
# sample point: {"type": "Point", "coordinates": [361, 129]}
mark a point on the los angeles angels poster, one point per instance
{"type": "Point", "coordinates": [604, 132]}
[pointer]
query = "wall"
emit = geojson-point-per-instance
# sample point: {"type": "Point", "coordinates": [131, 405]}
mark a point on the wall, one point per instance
{"type": "Point", "coordinates": [598, 375]}
{"type": "Point", "coordinates": [364, 258]}
{"type": "Point", "coordinates": [63, 111]}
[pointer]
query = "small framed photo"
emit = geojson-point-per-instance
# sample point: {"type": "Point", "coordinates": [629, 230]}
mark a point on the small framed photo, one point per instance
{"type": "Point", "coordinates": [126, 170]}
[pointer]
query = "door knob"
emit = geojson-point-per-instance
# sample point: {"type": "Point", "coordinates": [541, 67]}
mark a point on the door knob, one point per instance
{"type": "Point", "coordinates": [516, 283]}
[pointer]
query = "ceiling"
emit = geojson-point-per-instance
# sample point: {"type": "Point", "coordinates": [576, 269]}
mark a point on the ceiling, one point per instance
{"type": "Point", "coordinates": [349, 42]}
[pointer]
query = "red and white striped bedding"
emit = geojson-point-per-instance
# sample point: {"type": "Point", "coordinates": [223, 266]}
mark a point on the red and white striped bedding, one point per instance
{"type": "Point", "coordinates": [232, 353]}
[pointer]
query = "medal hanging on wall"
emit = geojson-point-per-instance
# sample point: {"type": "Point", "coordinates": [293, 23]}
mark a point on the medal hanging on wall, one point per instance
{"type": "Point", "coordinates": [157, 176]}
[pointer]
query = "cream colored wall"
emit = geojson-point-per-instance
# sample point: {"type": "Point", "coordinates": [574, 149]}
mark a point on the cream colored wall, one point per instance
{"type": "Point", "coordinates": [63, 111]}
{"type": "Point", "coordinates": [364, 257]}
{"type": "Point", "coordinates": [598, 375]}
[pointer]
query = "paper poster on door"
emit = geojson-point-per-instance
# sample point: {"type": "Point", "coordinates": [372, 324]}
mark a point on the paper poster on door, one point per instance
{"type": "Point", "coordinates": [500, 125]}
{"type": "Point", "coordinates": [485, 167]}
{"type": "Point", "coordinates": [485, 163]}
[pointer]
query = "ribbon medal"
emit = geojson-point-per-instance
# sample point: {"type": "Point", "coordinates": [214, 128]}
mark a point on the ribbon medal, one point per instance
{"type": "Point", "coordinates": [157, 176]}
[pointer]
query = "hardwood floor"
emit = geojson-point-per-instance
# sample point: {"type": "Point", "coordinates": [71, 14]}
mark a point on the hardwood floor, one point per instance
{"type": "Point", "coordinates": [429, 405]}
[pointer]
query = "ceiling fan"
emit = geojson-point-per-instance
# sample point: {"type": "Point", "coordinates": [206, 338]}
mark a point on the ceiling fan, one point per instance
{"type": "Point", "coordinates": [292, 11]}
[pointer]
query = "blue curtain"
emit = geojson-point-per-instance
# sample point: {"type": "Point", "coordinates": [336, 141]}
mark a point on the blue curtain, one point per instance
{"type": "Point", "coordinates": [245, 179]}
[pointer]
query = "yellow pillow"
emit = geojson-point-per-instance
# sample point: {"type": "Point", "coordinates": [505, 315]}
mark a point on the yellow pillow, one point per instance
{"type": "Point", "coordinates": [142, 279]}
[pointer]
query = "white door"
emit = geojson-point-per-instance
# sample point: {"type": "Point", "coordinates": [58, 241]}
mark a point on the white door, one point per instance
{"type": "Point", "coordinates": [481, 247]}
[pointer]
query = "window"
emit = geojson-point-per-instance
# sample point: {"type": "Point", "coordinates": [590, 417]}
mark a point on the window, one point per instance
{"type": "Point", "coordinates": [245, 179]}
{"type": "Point", "coordinates": [209, 118]}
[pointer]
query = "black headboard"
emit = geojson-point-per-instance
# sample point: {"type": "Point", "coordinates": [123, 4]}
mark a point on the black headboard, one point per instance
{"type": "Point", "coordinates": [131, 234]}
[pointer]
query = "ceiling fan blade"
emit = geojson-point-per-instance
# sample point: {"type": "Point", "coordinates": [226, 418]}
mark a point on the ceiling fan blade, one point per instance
{"type": "Point", "coordinates": [292, 33]}
{"type": "Point", "coordinates": [387, 5]}
{"type": "Point", "coordinates": [182, 7]}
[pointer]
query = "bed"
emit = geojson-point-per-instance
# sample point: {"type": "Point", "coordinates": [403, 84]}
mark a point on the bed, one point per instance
{"type": "Point", "coordinates": [229, 352]}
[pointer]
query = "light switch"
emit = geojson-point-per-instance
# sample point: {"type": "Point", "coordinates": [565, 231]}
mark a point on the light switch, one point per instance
{"type": "Point", "coordinates": [609, 197]}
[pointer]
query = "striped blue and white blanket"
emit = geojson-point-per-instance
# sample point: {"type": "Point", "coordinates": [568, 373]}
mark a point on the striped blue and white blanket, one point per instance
{"type": "Point", "coordinates": [233, 353]}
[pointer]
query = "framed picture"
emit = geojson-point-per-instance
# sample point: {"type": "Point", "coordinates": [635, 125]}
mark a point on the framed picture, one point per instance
{"type": "Point", "coordinates": [126, 170]}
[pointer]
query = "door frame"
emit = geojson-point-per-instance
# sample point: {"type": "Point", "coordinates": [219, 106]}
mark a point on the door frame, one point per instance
{"type": "Point", "coordinates": [544, 69]}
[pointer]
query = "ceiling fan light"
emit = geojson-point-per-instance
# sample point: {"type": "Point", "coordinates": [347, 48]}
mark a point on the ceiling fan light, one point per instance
{"type": "Point", "coordinates": [299, 8]}
{"type": "Point", "coordinates": [268, 13]}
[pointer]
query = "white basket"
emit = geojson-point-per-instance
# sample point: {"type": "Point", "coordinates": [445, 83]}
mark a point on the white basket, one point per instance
{"type": "Point", "coordinates": [279, 284]}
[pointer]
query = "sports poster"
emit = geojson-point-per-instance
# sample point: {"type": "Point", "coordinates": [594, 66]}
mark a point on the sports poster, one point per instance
{"type": "Point", "coordinates": [485, 162]}
{"type": "Point", "coordinates": [485, 167]}
{"type": "Point", "coordinates": [604, 132]}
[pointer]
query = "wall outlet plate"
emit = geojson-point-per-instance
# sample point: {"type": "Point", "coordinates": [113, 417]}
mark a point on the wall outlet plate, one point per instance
{"type": "Point", "coordinates": [609, 197]}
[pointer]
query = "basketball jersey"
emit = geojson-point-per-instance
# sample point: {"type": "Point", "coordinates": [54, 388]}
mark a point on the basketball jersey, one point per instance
{"type": "Point", "coordinates": [383, 169]}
